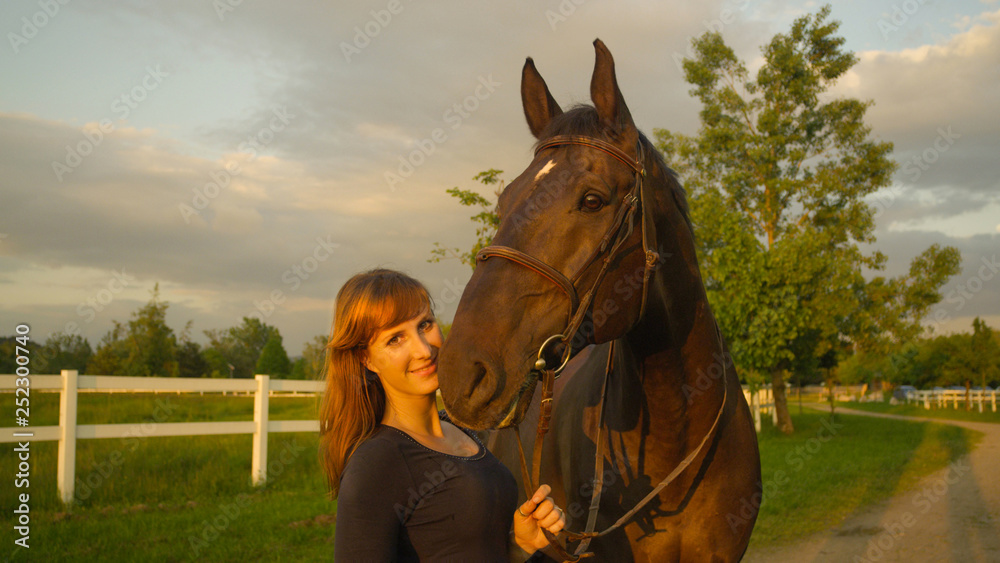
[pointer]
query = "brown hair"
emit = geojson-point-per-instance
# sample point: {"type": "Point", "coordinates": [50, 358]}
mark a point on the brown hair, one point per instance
{"type": "Point", "coordinates": [354, 401]}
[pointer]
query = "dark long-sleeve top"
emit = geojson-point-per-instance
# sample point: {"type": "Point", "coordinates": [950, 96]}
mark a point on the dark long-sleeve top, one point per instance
{"type": "Point", "coordinates": [401, 501]}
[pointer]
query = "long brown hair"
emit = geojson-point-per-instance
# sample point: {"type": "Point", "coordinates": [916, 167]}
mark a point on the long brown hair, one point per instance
{"type": "Point", "coordinates": [354, 401]}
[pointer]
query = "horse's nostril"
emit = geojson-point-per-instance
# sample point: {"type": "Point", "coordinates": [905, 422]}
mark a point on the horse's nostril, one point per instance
{"type": "Point", "coordinates": [479, 373]}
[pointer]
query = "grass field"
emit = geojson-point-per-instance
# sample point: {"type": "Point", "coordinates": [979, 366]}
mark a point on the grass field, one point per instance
{"type": "Point", "coordinates": [190, 498]}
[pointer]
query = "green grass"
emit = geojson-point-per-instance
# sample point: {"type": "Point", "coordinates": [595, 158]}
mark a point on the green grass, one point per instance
{"type": "Point", "coordinates": [817, 477]}
{"type": "Point", "coordinates": [174, 499]}
{"type": "Point", "coordinates": [913, 409]}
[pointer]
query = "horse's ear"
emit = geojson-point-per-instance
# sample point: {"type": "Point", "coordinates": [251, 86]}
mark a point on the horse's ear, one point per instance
{"type": "Point", "coordinates": [539, 105]}
{"type": "Point", "coordinates": [605, 94]}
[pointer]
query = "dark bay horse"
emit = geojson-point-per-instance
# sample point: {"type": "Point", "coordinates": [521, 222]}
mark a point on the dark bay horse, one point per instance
{"type": "Point", "coordinates": [598, 214]}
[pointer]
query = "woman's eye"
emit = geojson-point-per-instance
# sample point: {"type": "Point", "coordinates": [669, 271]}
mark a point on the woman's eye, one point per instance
{"type": "Point", "coordinates": [392, 341]}
{"type": "Point", "coordinates": [592, 202]}
{"type": "Point", "coordinates": [426, 325]}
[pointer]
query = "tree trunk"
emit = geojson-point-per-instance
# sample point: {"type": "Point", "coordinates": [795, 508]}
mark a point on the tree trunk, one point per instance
{"type": "Point", "coordinates": [781, 401]}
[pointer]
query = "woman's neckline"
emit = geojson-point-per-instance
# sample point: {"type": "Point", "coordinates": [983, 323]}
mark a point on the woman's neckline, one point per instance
{"type": "Point", "coordinates": [480, 452]}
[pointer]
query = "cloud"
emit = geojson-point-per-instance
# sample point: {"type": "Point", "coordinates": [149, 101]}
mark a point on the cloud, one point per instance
{"type": "Point", "coordinates": [936, 103]}
{"type": "Point", "coordinates": [351, 120]}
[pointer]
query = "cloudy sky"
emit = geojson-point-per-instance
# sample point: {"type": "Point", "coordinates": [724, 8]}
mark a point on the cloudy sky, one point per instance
{"type": "Point", "coordinates": [250, 156]}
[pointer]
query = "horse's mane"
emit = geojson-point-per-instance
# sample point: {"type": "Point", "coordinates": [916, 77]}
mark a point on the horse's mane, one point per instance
{"type": "Point", "coordinates": [583, 120]}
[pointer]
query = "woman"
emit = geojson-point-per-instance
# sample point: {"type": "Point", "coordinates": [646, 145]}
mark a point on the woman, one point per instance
{"type": "Point", "coordinates": [410, 485]}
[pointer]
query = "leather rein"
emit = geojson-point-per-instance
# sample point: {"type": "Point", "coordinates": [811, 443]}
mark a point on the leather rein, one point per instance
{"type": "Point", "coordinates": [620, 230]}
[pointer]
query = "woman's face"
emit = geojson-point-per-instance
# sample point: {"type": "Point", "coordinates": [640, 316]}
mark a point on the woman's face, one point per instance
{"type": "Point", "coordinates": [405, 356]}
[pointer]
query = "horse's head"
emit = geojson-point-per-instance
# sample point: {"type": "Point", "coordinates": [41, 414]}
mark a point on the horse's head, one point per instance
{"type": "Point", "coordinates": [570, 257]}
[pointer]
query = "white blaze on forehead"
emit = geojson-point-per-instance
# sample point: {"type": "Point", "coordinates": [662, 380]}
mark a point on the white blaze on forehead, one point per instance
{"type": "Point", "coordinates": [545, 170]}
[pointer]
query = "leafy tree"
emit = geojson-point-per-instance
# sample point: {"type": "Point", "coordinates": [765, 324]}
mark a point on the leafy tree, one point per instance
{"type": "Point", "coordinates": [144, 346]}
{"type": "Point", "coordinates": [65, 351]}
{"type": "Point", "coordinates": [273, 359]}
{"type": "Point", "coordinates": [985, 352]}
{"type": "Point", "coordinates": [7, 355]}
{"type": "Point", "coordinates": [239, 346]}
{"type": "Point", "coordinates": [486, 220]}
{"type": "Point", "coordinates": [59, 351]}
{"type": "Point", "coordinates": [190, 361]}
{"type": "Point", "coordinates": [218, 364]}
{"type": "Point", "coordinates": [314, 353]}
{"type": "Point", "coordinates": [111, 354]}
{"type": "Point", "coordinates": [299, 369]}
{"type": "Point", "coordinates": [151, 344]}
{"type": "Point", "coordinates": [890, 311]}
{"type": "Point", "coordinates": [777, 177]}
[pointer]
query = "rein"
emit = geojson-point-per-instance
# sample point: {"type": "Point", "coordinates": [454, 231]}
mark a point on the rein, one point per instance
{"type": "Point", "coordinates": [530, 483]}
{"type": "Point", "coordinates": [619, 231]}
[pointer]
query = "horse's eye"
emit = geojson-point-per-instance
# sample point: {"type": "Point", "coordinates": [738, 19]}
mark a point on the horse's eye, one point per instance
{"type": "Point", "coordinates": [592, 202]}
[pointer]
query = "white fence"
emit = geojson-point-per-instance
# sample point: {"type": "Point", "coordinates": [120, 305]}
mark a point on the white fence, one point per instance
{"type": "Point", "coordinates": [69, 383]}
{"type": "Point", "coordinates": [762, 400]}
{"type": "Point", "coordinates": [941, 398]}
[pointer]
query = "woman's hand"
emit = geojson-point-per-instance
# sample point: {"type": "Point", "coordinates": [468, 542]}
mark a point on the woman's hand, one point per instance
{"type": "Point", "coordinates": [536, 514]}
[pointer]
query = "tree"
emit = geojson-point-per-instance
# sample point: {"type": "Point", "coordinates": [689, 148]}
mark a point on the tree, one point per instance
{"type": "Point", "coordinates": [190, 360]}
{"type": "Point", "coordinates": [65, 351]}
{"type": "Point", "coordinates": [151, 344]}
{"type": "Point", "coordinates": [777, 177]}
{"type": "Point", "coordinates": [239, 346]}
{"type": "Point", "coordinates": [486, 220]}
{"type": "Point", "coordinates": [111, 354]}
{"type": "Point", "coordinates": [144, 346]}
{"type": "Point", "coordinates": [273, 359]}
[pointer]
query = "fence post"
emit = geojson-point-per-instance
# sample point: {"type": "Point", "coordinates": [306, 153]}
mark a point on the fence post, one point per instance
{"type": "Point", "coordinates": [66, 464]}
{"type": "Point", "coordinates": [258, 467]}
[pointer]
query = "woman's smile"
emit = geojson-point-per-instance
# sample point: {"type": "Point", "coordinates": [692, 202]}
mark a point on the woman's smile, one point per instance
{"type": "Point", "coordinates": [425, 370]}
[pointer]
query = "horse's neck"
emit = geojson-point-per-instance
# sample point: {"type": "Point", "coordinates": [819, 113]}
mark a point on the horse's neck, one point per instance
{"type": "Point", "coordinates": [680, 367]}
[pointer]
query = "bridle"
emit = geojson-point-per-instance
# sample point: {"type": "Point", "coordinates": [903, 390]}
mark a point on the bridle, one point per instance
{"type": "Point", "coordinates": [616, 235]}
{"type": "Point", "coordinates": [620, 230]}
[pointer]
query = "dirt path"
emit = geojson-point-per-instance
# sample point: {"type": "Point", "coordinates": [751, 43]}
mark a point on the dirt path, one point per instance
{"type": "Point", "coordinates": [951, 515]}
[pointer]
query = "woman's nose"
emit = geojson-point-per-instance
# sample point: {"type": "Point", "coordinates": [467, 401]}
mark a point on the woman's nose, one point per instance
{"type": "Point", "coordinates": [423, 347]}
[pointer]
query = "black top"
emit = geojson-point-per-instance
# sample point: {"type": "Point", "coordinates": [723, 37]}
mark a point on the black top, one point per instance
{"type": "Point", "coordinates": [402, 501]}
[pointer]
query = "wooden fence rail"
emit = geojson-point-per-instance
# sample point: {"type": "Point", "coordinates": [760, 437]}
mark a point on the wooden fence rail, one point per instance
{"type": "Point", "coordinates": [69, 383]}
{"type": "Point", "coordinates": [940, 398]}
